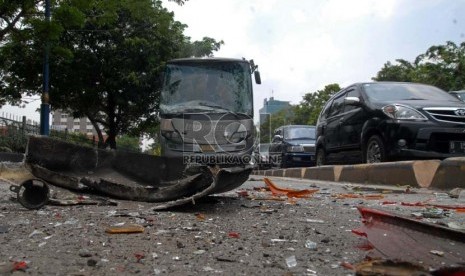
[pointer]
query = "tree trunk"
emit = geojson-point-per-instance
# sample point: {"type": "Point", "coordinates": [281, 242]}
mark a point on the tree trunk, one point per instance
{"type": "Point", "coordinates": [111, 141]}
{"type": "Point", "coordinates": [101, 140]}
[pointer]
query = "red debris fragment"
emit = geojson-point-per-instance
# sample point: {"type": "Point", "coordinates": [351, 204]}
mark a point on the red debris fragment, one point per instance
{"type": "Point", "coordinates": [415, 204]}
{"type": "Point", "coordinates": [243, 193]}
{"type": "Point", "coordinates": [139, 256]}
{"type": "Point", "coordinates": [234, 235]}
{"type": "Point", "coordinates": [288, 192]}
{"type": "Point", "coordinates": [347, 265]}
{"type": "Point", "coordinates": [19, 266]}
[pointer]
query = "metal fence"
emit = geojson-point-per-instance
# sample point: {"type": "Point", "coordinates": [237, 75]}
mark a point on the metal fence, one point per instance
{"type": "Point", "coordinates": [14, 131]}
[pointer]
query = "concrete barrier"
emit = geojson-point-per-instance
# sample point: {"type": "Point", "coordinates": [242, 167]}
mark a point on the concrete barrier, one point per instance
{"type": "Point", "coordinates": [450, 174]}
{"type": "Point", "coordinates": [294, 172]}
{"type": "Point", "coordinates": [268, 173]}
{"type": "Point", "coordinates": [436, 174]}
{"type": "Point", "coordinates": [413, 173]}
{"type": "Point", "coordinates": [278, 173]}
{"type": "Point", "coordinates": [325, 173]}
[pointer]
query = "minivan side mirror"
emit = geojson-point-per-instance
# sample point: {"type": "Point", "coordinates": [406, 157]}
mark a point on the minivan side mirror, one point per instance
{"type": "Point", "coordinates": [258, 79]}
{"type": "Point", "coordinates": [352, 101]}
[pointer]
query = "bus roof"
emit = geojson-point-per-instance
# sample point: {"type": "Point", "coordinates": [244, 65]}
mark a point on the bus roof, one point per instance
{"type": "Point", "coordinates": [206, 60]}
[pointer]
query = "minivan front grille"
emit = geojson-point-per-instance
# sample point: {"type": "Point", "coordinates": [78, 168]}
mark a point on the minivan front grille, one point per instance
{"type": "Point", "coordinates": [447, 114]}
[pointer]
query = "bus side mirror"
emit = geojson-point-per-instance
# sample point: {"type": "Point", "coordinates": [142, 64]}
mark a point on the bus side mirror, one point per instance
{"type": "Point", "coordinates": [258, 79]}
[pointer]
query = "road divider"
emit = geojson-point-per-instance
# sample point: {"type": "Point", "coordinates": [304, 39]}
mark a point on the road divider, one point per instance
{"type": "Point", "coordinates": [437, 174]}
{"type": "Point", "coordinates": [450, 174]}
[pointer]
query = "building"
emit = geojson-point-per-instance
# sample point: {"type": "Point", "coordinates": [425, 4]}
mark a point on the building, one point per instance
{"type": "Point", "coordinates": [61, 121]}
{"type": "Point", "coordinates": [270, 107]}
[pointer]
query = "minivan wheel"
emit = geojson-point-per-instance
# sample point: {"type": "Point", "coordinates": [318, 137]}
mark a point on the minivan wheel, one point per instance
{"type": "Point", "coordinates": [320, 157]}
{"type": "Point", "coordinates": [375, 151]}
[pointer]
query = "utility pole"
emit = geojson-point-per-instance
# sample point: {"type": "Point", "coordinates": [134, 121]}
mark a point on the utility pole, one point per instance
{"type": "Point", "coordinates": [45, 106]}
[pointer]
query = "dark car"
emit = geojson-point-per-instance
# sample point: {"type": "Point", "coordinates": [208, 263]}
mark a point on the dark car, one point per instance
{"type": "Point", "coordinates": [459, 94]}
{"type": "Point", "coordinates": [293, 146]}
{"type": "Point", "coordinates": [382, 121]}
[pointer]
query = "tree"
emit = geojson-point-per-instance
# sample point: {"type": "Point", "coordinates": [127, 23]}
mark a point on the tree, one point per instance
{"type": "Point", "coordinates": [308, 110]}
{"type": "Point", "coordinates": [12, 14]}
{"type": "Point", "coordinates": [442, 66]}
{"type": "Point", "coordinates": [129, 143]}
{"type": "Point", "coordinates": [106, 58]}
{"type": "Point", "coordinates": [401, 71]}
{"type": "Point", "coordinates": [283, 117]}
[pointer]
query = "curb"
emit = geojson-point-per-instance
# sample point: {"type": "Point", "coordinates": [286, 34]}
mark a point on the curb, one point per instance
{"type": "Point", "coordinates": [450, 174]}
{"type": "Point", "coordinates": [325, 173]}
{"type": "Point", "coordinates": [437, 174]}
{"type": "Point", "coordinates": [413, 173]}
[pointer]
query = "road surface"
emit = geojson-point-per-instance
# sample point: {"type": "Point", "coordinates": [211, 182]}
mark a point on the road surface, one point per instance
{"type": "Point", "coordinates": [243, 232]}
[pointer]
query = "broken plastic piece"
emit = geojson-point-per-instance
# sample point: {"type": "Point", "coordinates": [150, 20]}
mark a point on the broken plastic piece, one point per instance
{"type": "Point", "coordinates": [389, 267]}
{"type": "Point", "coordinates": [288, 192]}
{"type": "Point", "coordinates": [347, 265]}
{"type": "Point", "coordinates": [243, 193]}
{"type": "Point", "coordinates": [125, 229]}
{"type": "Point", "coordinates": [398, 237]}
{"type": "Point", "coordinates": [234, 235]}
{"type": "Point", "coordinates": [139, 256]}
{"type": "Point", "coordinates": [200, 216]}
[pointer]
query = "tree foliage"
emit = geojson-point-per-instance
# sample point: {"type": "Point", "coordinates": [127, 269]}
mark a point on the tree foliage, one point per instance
{"type": "Point", "coordinates": [129, 143]}
{"type": "Point", "coordinates": [283, 117]}
{"type": "Point", "coordinates": [442, 66]}
{"type": "Point", "coordinates": [308, 110]}
{"type": "Point", "coordinates": [105, 60]}
{"type": "Point", "coordinates": [402, 70]}
{"type": "Point", "coordinates": [12, 13]}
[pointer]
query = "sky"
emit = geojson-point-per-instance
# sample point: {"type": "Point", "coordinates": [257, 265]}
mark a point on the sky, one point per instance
{"type": "Point", "coordinates": [301, 46]}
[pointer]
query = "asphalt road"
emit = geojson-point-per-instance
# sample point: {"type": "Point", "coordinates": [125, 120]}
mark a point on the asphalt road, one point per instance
{"type": "Point", "coordinates": [242, 232]}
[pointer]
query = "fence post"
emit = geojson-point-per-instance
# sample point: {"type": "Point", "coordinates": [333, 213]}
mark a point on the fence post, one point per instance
{"type": "Point", "coordinates": [23, 126]}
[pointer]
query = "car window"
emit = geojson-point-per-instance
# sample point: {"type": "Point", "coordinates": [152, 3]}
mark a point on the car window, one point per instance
{"type": "Point", "coordinates": [338, 105]}
{"type": "Point", "coordinates": [405, 91]}
{"type": "Point", "coordinates": [299, 133]}
{"type": "Point", "coordinates": [325, 111]}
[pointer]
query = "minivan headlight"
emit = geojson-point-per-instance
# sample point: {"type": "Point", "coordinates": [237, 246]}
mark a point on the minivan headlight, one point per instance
{"type": "Point", "coordinates": [297, 148]}
{"type": "Point", "coordinates": [402, 112]}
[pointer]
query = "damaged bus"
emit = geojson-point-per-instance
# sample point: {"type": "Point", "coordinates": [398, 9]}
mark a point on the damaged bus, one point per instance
{"type": "Point", "coordinates": [206, 111]}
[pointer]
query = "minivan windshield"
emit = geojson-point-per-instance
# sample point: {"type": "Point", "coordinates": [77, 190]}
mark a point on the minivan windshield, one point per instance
{"type": "Point", "coordinates": [295, 133]}
{"type": "Point", "coordinates": [405, 91]}
{"type": "Point", "coordinates": [217, 86]}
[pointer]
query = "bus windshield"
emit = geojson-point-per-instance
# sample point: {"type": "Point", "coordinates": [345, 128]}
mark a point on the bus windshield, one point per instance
{"type": "Point", "coordinates": [216, 86]}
